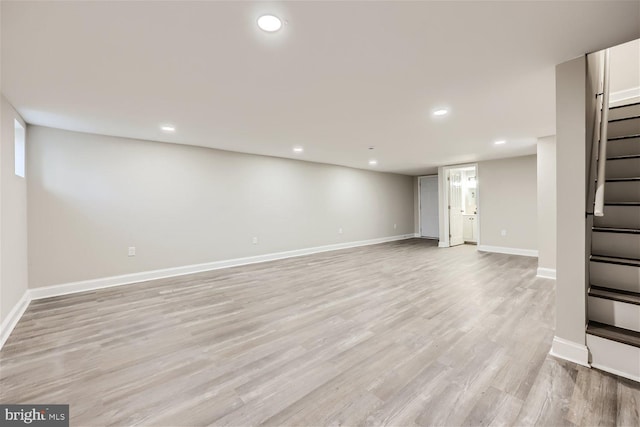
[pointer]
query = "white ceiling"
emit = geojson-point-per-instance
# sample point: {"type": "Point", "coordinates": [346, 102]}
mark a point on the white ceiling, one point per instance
{"type": "Point", "coordinates": [338, 78]}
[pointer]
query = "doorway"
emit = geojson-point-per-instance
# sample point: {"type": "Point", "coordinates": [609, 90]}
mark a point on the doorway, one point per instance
{"type": "Point", "coordinates": [429, 221]}
{"type": "Point", "coordinates": [461, 205]}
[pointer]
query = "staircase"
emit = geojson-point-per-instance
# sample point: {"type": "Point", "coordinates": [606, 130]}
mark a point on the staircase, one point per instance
{"type": "Point", "coordinates": [613, 303]}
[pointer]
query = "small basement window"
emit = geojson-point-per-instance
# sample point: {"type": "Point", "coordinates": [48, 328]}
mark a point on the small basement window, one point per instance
{"type": "Point", "coordinates": [19, 148]}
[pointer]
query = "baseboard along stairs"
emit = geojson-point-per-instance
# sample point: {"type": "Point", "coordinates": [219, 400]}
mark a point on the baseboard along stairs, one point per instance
{"type": "Point", "coordinates": [613, 303]}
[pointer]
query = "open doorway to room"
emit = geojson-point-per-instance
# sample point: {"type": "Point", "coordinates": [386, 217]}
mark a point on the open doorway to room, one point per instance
{"type": "Point", "coordinates": [428, 219]}
{"type": "Point", "coordinates": [460, 207]}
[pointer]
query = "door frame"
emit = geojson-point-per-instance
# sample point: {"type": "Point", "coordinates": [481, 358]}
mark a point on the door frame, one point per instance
{"type": "Point", "coordinates": [420, 205]}
{"type": "Point", "coordinates": [443, 188]}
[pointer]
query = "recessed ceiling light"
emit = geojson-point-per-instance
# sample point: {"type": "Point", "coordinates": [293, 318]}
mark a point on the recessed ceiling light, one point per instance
{"type": "Point", "coordinates": [500, 142]}
{"type": "Point", "coordinates": [373, 162]}
{"type": "Point", "coordinates": [440, 112]}
{"type": "Point", "coordinates": [269, 23]}
{"type": "Point", "coordinates": [298, 149]}
{"type": "Point", "coordinates": [168, 128]}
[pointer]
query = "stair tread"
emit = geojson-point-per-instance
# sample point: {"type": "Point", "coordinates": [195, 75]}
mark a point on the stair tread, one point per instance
{"type": "Point", "coordinates": [626, 156]}
{"type": "Point", "coordinates": [615, 260]}
{"type": "Point", "coordinates": [624, 336]}
{"type": "Point", "coordinates": [622, 204]}
{"type": "Point", "coordinates": [614, 294]}
{"type": "Point", "coordinates": [618, 138]}
{"type": "Point", "coordinates": [624, 118]}
{"type": "Point", "coordinates": [624, 105]}
{"type": "Point", "coordinates": [634, 178]}
{"type": "Point", "coordinates": [617, 230]}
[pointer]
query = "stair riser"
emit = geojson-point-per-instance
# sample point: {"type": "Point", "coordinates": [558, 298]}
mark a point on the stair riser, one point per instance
{"type": "Point", "coordinates": [623, 168]}
{"type": "Point", "coordinates": [622, 191]}
{"type": "Point", "coordinates": [612, 356]}
{"type": "Point", "coordinates": [619, 217]}
{"type": "Point", "coordinates": [616, 313]}
{"type": "Point", "coordinates": [624, 128]}
{"type": "Point", "coordinates": [623, 147]}
{"type": "Point", "coordinates": [620, 245]}
{"type": "Point", "coordinates": [615, 276]}
{"type": "Point", "coordinates": [624, 112]}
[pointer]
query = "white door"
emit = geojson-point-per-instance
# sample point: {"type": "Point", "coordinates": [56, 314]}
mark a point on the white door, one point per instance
{"type": "Point", "coordinates": [456, 224]}
{"type": "Point", "coordinates": [429, 224]}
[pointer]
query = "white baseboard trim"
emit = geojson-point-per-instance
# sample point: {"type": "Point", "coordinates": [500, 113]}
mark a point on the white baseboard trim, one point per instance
{"type": "Point", "coordinates": [509, 251]}
{"type": "Point", "coordinates": [571, 351]}
{"type": "Point", "coordinates": [416, 234]}
{"type": "Point", "coordinates": [546, 273]}
{"type": "Point", "coordinates": [443, 245]}
{"type": "Point", "coordinates": [126, 279]}
{"type": "Point", "coordinates": [616, 372]}
{"type": "Point", "coordinates": [13, 317]}
{"type": "Point", "coordinates": [624, 95]}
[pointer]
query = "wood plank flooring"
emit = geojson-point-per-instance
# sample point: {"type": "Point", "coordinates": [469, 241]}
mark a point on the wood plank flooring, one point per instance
{"type": "Point", "coordinates": [395, 334]}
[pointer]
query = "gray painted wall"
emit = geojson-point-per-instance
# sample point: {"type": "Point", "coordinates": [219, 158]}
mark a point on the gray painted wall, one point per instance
{"type": "Point", "coordinates": [571, 158]}
{"type": "Point", "coordinates": [507, 195]}
{"type": "Point", "coordinates": [91, 197]}
{"type": "Point", "coordinates": [13, 217]}
{"type": "Point", "coordinates": [625, 66]}
{"type": "Point", "coordinates": [416, 205]}
{"type": "Point", "coordinates": [547, 202]}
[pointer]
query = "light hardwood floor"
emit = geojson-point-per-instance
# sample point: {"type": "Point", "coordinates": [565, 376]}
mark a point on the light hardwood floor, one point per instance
{"type": "Point", "coordinates": [398, 334]}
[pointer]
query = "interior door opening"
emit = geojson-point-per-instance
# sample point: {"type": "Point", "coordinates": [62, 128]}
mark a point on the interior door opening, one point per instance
{"type": "Point", "coordinates": [463, 205]}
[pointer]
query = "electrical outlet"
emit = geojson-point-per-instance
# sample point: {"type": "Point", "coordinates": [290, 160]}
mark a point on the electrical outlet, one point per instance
{"type": "Point", "coordinates": [340, 230]}
{"type": "Point", "coordinates": [255, 240]}
{"type": "Point", "coordinates": [132, 251]}
{"type": "Point", "coordinates": [503, 232]}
